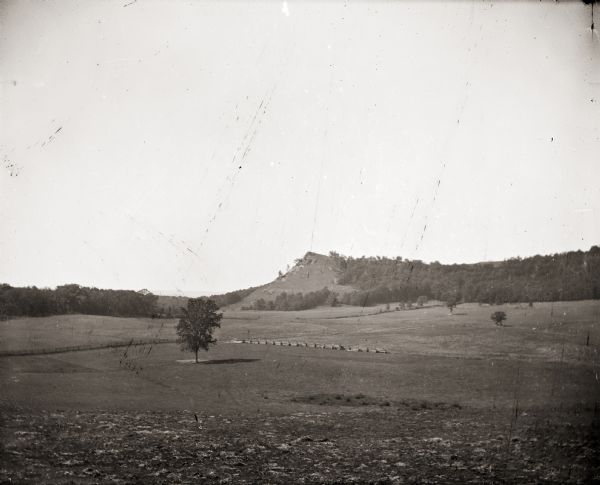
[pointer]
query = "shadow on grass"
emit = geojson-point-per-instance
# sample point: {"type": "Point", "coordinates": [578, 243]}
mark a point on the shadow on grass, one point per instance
{"type": "Point", "coordinates": [229, 361]}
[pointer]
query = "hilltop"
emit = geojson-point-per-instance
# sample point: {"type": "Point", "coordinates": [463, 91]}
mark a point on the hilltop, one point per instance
{"type": "Point", "coordinates": [311, 273]}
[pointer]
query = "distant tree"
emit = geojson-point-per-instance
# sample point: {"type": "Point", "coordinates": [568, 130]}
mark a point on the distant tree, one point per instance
{"type": "Point", "coordinates": [196, 327]}
{"type": "Point", "coordinates": [421, 300]}
{"type": "Point", "coordinates": [332, 299]}
{"type": "Point", "coordinates": [387, 307]}
{"type": "Point", "coordinates": [451, 303]}
{"type": "Point", "coordinates": [498, 318]}
{"type": "Point", "coordinates": [3, 312]}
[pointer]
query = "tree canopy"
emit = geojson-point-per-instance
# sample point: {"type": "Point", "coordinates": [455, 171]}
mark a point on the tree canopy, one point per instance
{"type": "Point", "coordinates": [573, 275]}
{"type": "Point", "coordinates": [38, 302]}
{"type": "Point", "coordinates": [196, 326]}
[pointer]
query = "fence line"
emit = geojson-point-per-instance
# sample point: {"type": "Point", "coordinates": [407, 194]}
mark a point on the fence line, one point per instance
{"type": "Point", "coordinates": [294, 343]}
{"type": "Point", "coordinates": [77, 348]}
{"type": "Point", "coordinates": [132, 343]}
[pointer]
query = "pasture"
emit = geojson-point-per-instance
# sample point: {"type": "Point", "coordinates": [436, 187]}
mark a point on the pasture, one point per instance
{"type": "Point", "coordinates": [457, 380]}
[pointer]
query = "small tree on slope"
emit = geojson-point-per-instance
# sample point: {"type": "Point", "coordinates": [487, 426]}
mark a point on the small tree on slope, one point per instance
{"type": "Point", "coordinates": [196, 327]}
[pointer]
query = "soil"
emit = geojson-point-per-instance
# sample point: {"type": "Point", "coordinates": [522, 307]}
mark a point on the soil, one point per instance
{"type": "Point", "coordinates": [393, 443]}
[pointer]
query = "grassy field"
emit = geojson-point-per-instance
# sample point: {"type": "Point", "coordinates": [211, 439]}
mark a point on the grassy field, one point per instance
{"type": "Point", "coordinates": [72, 330]}
{"type": "Point", "coordinates": [546, 331]}
{"type": "Point", "coordinates": [526, 394]}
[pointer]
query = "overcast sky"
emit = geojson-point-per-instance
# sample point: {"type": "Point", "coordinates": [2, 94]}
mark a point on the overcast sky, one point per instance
{"type": "Point", "coordinates": [202, 146]}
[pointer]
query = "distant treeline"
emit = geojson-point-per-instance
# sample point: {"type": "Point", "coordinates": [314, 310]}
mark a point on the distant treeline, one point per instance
{"type": "Point", "coordinates": [172, 306]}
{"type": "Point", "coordinates": [232, 297]}
{"type": "Point", "coordinates": [37, 302]}
{"type": "Point", "coordinates": [295, 301]}
{"type": "Point", "coordinates": [574, 275]}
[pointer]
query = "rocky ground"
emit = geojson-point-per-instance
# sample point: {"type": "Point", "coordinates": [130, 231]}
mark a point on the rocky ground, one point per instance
{"type": "Point", "coordinates": [408, 442]}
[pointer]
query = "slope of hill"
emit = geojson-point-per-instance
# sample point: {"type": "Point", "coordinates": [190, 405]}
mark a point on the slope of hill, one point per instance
{"type": "Point", "coordinates": [311, 273]}
{"type": "Point", "coordinates": [364, 281]}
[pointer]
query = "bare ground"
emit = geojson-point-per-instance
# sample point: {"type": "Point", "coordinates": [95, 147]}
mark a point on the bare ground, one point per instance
{"type": "Point", "coordinates": [369, 444]}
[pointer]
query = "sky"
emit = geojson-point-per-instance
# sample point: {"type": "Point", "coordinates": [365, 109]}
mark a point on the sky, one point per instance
{"type": "Point", "coordinates": [190, 147]}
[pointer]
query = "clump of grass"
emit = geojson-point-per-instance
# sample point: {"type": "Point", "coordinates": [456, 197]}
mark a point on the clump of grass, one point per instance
{"type": "Point", "coordinates": [360, 399]}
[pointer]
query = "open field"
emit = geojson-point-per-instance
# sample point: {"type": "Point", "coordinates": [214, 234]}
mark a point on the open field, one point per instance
{"type": "Point", "coordinates": [546, 331]}
{"type": "Point", "coordinates": [458, 399]}
{"type": "Point", "coordinates": [73, 330]}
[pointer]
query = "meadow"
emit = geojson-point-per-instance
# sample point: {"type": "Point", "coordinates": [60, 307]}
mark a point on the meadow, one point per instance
{"type": "Point", "coordinates": [456, 379]}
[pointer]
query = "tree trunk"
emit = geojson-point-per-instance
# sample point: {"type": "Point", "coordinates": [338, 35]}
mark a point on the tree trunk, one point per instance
{"type": "Point", "coordinates": [196, 356]}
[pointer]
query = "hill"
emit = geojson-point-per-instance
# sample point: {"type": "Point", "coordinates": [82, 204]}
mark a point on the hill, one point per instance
{"type": "Point", "coordinates": [311, 273]}
{"type": "Point", "coordinates": [574, 275]}
{"type": "Point", "coordinates": [317, 279]}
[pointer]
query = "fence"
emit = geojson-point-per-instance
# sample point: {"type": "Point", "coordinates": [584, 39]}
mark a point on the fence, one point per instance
{"type": "Point", "coordinates": [76, 348]}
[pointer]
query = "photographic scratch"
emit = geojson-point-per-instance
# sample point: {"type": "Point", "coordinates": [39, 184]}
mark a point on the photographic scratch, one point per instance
{"type": "Point", "coordinates": [46, 141]}
{"type": "Point", "coordinates": [244, 147]}
{"type": "Point", "coordinates": [410, 219]}
{"type": "Point", "coordinates": [13, 169]}
{"type": "Point", "coordinates": [239, 158]}
{"type": "Point", "coordinates": [180, 245]}
{"type": "Point", "coordinates": [435, 194]}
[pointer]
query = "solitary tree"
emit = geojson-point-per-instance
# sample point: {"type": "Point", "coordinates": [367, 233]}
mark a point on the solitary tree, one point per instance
{"type": "Point", "coordinates": [451, 303]}
{"type": "Point", "coordinates": [498, 318]}
{"type": "Point", "coordinates": [196, 327]}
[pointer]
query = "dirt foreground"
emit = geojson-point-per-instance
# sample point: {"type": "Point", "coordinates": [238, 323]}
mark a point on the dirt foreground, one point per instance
{"type": "Point", "coordinates": [388, 443]}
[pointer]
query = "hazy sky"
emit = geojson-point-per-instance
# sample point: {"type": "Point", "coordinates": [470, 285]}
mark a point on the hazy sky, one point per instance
{"type": "Point", "coordinates": [202, 146]}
